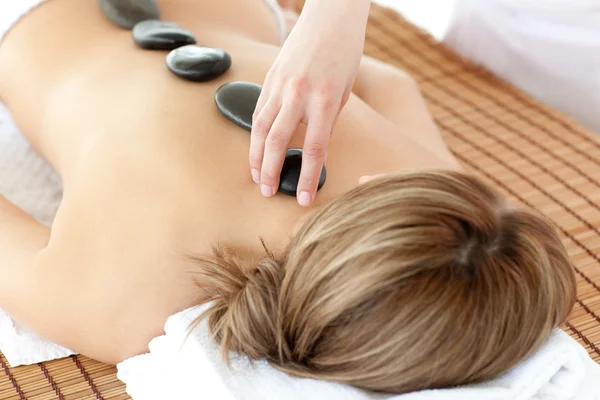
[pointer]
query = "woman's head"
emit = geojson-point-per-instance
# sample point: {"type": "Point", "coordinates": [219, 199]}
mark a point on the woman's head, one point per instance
{"type": "Point", "coordinates": [409, 281]}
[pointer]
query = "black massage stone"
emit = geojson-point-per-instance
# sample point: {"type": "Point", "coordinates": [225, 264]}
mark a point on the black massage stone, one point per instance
{"type": "Point", "coordinates": [237, 101]}
{"type": "Point", "coordinates": [197, 63]}
{"type": "Point", "coordinates": [290, 174]}
{"type": "Point", "coordinates": [153, 34]}
{"type": "Point", "coordinates": [127, 13]}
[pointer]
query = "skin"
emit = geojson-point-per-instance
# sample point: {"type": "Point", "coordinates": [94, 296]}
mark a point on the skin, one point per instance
{"type": "Point", "coordinates": [153, 173]}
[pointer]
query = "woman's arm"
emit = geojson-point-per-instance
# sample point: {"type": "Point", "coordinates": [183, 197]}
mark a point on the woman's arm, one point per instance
{"type": "Point", "coordinates": [22, 240]}
{"type": "Point", "coordinates": [34, 289]}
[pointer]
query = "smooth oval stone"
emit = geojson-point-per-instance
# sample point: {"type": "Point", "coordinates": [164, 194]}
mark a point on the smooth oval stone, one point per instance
{"type": "Point", "coordinates": [237, 102]}
{"type": "Point", "coordinates": [198, 63]}
{"type": "Point", "coordinates": [153, 34]}
{"type": "Point", "coordinates": [290, 174]}
{"type": "Point", "coordinates": [127, 13]}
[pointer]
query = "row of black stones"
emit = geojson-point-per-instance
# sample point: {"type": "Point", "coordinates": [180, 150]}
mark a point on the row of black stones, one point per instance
{"type": "Point", "coordinates": [235, 100]}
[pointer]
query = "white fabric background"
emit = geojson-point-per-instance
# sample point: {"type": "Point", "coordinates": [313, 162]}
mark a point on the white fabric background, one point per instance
{"type": "Point", "coordinates": [549, 48]}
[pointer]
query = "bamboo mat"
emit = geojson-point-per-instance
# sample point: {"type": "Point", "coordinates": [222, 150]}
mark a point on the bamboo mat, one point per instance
{"type": "Point", "coordinates": [534, 155]}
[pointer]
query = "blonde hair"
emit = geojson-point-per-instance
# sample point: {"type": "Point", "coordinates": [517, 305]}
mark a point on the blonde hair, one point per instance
{"type": "Point", "coordinates": [417, 280]}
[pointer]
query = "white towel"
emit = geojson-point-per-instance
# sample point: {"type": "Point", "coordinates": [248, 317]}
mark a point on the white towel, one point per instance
{"type": "Point", "coordinates": [193, 369]}
{"type": "Point", "coordinates": [25, 178]}
{"type": "Point", "coordinates": [20, 346]}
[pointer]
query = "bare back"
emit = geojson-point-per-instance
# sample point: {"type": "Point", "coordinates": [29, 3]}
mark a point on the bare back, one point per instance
{"type": "Point", "coordinates": [152, 171]}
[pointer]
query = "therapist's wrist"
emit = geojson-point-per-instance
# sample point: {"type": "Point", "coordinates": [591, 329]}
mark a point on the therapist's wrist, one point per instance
{"type": "Point", "coordinates": [348, 12]}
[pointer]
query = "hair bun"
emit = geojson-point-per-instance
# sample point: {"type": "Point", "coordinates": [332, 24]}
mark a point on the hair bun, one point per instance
{"type": "Point", "coordinates": [245, 303]}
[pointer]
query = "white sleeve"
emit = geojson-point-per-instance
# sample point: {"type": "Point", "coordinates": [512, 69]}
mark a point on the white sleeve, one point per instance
{"type": "Point", "coordinates": [549, 48]}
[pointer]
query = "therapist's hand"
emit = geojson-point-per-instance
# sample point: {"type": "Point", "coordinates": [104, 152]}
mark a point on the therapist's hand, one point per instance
{"type": "Point", "coordinates": [310, 81]}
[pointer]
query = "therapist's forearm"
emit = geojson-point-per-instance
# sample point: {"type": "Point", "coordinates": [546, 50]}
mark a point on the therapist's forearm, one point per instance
{"type": "Point", "coordinates": [347, 13]}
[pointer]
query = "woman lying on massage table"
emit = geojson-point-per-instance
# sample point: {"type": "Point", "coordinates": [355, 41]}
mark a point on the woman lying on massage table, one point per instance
{"type": "Point", "coordinates": [422, 277]}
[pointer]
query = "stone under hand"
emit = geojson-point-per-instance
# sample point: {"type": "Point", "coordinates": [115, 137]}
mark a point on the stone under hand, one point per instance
{"type": "Point", "coordinates": [290, 173]}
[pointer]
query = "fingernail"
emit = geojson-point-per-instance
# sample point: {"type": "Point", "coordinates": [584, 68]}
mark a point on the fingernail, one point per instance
{"type": "Point", "coordinates": [304, 199]}
{"type": "Point", "coordinates": [255, 176]}
{"type": "Point", "coordinates": [266, 191]}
